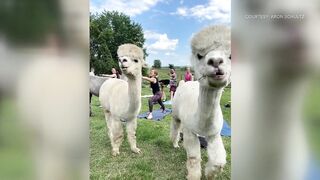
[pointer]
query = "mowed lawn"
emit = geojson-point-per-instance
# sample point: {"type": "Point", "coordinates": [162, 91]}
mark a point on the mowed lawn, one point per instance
{"type": "Point", "coordinates": [159, 160]}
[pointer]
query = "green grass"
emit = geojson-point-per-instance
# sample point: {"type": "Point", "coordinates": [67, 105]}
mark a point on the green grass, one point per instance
{"type": "Point", "coordinates": [312, 116]}
{"type": "Point", "coordinates": [159, 160]}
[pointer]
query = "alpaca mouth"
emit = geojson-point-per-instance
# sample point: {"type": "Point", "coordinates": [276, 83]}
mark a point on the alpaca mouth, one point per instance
{"type": "Point", "coordinates": [124, 68]}
{"type": "Point", "coordinates": [218, 75]}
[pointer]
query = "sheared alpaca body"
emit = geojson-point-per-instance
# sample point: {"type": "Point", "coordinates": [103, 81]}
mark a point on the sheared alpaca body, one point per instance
{"type": "Point", "coordinates": [121, 100]}
{"type": "Point", "coordinates": [196, 105]}
{"type": "Point", "coordinates": [128, 101]}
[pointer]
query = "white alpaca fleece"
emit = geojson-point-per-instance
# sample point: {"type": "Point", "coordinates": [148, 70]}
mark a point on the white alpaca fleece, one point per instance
{"type": "Point", "coordinates": [121, 100]}
{"type": "Point", "coordinates": [212, 38]}
{"type": "Point", "coordinates": [130, 50]}
{"type": "Point", "coordinates": [196, 105]}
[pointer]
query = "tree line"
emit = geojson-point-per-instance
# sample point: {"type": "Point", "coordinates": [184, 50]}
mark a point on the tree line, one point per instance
{"type": "Point", "coordinates": [108, 30]}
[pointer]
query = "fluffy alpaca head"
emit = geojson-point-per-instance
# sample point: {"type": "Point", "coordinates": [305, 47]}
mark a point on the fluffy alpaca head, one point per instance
{"type": "Point", "coordinates": [131, 60]}
{"type": "Point", "coordinates": [210, 56]}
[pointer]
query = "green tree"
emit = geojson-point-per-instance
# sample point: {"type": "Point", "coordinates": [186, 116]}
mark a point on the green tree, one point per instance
{"type": "Point", "coordinates": [171, 66]}
{"type": "Point", "coordinates": [145, 71]}
{"type": "Point", "coordinates": [108, 30]}
{"type": "Point", "coordinates": [157, 63]}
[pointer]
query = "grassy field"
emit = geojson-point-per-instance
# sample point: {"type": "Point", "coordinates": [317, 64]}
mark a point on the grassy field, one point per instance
{"type": "Point", "coordinates": [159, 160]}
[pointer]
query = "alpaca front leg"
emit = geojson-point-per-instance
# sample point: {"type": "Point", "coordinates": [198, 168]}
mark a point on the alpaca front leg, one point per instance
{"type": "Point", "coordinates": [216, 156]}
{"type": "Point", "coordinates": [117, 136]}
{"type": "Point", "coordinates": [192, 146]}
{"type": "Point", "coordinates": [115, 133]}
{"type": "Point", "coordinates": [175, 132]}
{"type": "Point", "coordinates": [131, 131]}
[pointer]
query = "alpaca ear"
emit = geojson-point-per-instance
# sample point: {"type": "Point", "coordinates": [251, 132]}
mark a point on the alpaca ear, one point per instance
{"type": "Point", "coordinates": [228, 54]}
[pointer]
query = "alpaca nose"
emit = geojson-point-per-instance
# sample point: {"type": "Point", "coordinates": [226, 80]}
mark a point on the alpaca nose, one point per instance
{"type": "Point", "coordinates": [124, 60]}
{"type": "Point", "coordinates": [215, 62]}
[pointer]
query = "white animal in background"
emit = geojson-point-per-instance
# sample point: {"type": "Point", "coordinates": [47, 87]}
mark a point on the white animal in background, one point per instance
{"type": "Point", "coordinates": [95, 83]}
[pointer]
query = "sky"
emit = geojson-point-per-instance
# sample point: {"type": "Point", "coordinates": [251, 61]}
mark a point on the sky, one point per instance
{"type": "Point", "coordinates": [169, 25]}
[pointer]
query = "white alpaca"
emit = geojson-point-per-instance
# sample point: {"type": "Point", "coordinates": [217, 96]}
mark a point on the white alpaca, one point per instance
{"type": "Point", "coordinates": [196, 105]}
{"type": "Point", "coordinates": [95, 82]}
{"type": "Point", "coordinates": [121, 100]}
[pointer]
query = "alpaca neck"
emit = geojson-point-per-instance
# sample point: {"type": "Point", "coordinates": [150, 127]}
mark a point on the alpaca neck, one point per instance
{"type": "Point", "coordinates": [134, 91]}
{"type": "Point", "coordinates": [208, 103]}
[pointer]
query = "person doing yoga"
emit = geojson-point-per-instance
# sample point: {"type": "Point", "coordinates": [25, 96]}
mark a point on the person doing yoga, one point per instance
{"type": "Point", "coordinates": [157, 94]}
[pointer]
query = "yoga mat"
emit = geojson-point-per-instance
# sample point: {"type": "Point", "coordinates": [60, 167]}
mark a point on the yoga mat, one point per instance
{"type": "Point", "coordinates": [157, 114]}
{"type": "Point", "coordinates": [226, 130]}
{"type": "Point", "coordinates": [167, 102]}
{"type": "Point", "coordinates": [313, 172]}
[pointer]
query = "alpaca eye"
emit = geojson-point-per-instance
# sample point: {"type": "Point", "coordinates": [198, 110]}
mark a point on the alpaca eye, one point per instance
{"type": "Point", "coordinates": [199, 56]}
{"type": "Point", "coordinates": [135, 60]}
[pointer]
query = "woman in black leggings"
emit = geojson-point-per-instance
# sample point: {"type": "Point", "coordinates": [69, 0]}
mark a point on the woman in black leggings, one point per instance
{"type": "Point", "coordinates": [156, 98]}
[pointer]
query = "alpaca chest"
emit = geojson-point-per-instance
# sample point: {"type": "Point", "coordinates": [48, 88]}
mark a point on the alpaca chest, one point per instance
{"type": "Point", "coordinates": [125, 110]}
{"type": "Point", "coordinates": [209, 126]}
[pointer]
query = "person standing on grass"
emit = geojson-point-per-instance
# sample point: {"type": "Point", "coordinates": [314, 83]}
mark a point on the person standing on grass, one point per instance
{"type": "Point", "coordinates": [156, 98]}
{"type": "Point", "coordinates": [114, 74]}
{"type": "Point", "coordinates": [188, 75]}
{"type": "Point", "coordinates": [173, 83]}
{"type": "Point", "coordinates": [162, 86]}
